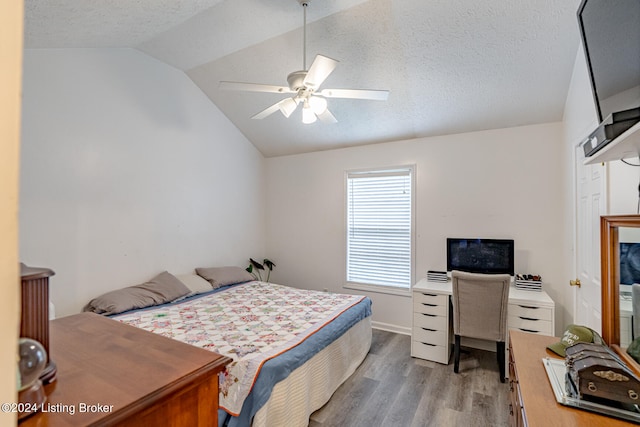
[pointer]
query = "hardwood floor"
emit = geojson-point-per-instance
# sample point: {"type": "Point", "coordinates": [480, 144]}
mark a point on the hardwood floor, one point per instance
{"type": "Point", "coordinates": [390, 388]}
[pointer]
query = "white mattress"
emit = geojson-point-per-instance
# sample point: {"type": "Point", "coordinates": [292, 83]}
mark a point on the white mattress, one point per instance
{"type": "Point", "coordinates": [311, 385]}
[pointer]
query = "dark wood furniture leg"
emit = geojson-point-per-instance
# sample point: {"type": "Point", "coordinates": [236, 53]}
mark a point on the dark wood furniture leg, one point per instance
{"type": "Point", "coordinates": [500, 351]}
{"type": "Point", "coordinates": [456, 354]}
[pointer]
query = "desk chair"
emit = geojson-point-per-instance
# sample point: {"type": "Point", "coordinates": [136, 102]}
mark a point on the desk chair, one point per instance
{"type": "Point", "coordinates": [480, 311]}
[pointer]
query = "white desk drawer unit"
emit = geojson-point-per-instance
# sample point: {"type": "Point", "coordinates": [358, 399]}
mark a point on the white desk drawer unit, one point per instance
{"type": "Point", "coordinates": [530, 318]}
{"type": "Point", "coordinates": [430, 333]}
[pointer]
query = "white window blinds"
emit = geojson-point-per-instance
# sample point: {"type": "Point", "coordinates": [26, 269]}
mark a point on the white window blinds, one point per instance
{"type": "Point", "coordinates": [379, 223]}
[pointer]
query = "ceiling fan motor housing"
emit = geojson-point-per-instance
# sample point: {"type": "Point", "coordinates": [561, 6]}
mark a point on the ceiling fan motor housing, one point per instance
{"type": "Point", "coordinates": [297, 84]}
{"type": "Point", "coordinates": [296, 80]}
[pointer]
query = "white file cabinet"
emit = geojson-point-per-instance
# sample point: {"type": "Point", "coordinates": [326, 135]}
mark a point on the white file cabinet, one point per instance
{"type": "Point", "coordinates": [430, 332]}
{"type": "Point", "coordinates": [531, 311]}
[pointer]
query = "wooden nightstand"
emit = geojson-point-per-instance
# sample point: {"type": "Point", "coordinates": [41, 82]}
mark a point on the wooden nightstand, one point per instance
{"type": "Point", "coordinates": [110, 373]}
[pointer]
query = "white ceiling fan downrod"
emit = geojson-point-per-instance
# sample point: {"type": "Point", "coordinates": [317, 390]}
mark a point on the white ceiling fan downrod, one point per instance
{"type": "Point", "coordinates": [304, 4]}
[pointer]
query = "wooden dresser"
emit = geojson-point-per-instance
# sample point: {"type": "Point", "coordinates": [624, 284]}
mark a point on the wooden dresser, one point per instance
{"type": "Point", "coordinates": [34, 322]}
{"type": "Point", "coordinates": [110, 373]}
{"type": "Point", "coordinates": [532, 400]}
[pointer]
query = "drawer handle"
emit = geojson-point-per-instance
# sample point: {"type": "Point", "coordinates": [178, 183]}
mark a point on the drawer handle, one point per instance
{"type": "Point", "coordinates": [429, 295]}
{"type": "Point", "coordinates": [429, 305]}
{"type": "Point", "coordinates": [528, 306]}
{"type": "Point", "coordinates": [430, 315]}
{"type": "Point", "coordinates": [529, 330]}
{"type": "Point", "coordinates": [430, 330]}
{"type": "Point", "coordinates": [426, 343]}
{"type": "Point", "coordinates": [529, 318]}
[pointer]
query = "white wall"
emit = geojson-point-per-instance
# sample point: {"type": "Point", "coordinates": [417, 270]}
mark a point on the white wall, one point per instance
{"type": "Point", "coordinates": [580, 119]}
{"type": "Point", "coordinates": [623, 187]}
{"type": "Point", "coordinates": [580, 116]}
{"type": "Point", "coordinates": [127, 170]}
{"type": "Point", "coordinates": [501, 183]}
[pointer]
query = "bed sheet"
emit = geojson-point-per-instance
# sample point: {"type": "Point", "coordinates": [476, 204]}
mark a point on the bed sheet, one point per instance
{"type": "Point", "coordinates": [253, 323]}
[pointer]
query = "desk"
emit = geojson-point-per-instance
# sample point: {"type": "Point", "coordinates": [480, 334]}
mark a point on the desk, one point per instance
{"type": "Point", "coordinates": [532, 400]}
{"type": "Point", "coordinates": [431, 335]}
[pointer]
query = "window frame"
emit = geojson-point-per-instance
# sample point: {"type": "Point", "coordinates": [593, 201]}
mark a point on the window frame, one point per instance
{"type": "Point", "coordinates": [370, 287]}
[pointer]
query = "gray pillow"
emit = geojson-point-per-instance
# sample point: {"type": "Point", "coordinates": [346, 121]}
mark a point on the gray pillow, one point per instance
{"type": "Point", "coordinates": [221, 276]}
{"type": "Point", "coordinates": [165, 287]}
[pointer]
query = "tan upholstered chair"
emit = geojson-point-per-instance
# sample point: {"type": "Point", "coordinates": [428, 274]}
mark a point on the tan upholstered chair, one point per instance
{"type": "Point", "coordinates": [480, 311]}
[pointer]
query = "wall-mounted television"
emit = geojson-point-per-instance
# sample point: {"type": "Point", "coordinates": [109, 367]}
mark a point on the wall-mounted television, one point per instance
{"type": "Point", "coordinates": [610, 31]}
{"type": "Point", "coordinates": [488, 256]}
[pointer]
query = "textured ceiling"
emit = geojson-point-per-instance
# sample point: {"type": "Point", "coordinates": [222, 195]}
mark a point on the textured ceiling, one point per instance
{"type": "Point", "coordinates": [450, 66]}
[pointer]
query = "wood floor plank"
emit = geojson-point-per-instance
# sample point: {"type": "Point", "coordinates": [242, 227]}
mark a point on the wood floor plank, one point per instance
{"type": "Point", "coordinates": [378, 406]}
{"type": "Point", "coordinates": [390, 388]}
{"type": "Point", "coordinates": [433, 397]}
{"type": "Point", "coordinates": [403, 407]}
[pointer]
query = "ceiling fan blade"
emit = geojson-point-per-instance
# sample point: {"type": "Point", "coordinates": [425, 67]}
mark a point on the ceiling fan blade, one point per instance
{"type": "Point", "coordinates": [254, 87]}
{"type": "Point", "coordinates": [267, 111]}
{"type": "Point", "coordinates": [320, 69]}
{"type": "Point", "coordinates": [286, 106]}
{"type": "Point", "coordinates": [373, 95]}
{"type": "Point", "coordinates": [327, 117]}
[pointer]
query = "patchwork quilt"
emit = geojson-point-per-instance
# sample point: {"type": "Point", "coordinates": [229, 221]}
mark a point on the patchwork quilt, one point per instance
{"type": "Point", "coordinates": [250, 323]}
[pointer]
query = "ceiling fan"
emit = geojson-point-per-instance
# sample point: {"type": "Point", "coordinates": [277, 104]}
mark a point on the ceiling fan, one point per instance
{"type": "Point", "coordinates": [304, 86]}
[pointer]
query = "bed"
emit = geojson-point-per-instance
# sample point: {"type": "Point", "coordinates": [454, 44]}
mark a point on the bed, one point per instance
{"type": "Point", "coordinates": [291, 348]}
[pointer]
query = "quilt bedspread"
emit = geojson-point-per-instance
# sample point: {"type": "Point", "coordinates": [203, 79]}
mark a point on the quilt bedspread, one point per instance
{"type": "Point", "coordinates": [251, 323]}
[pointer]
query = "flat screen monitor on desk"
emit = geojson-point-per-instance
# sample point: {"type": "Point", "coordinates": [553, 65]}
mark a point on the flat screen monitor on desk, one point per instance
{"type": "Point", "coordinates": [488, 256]}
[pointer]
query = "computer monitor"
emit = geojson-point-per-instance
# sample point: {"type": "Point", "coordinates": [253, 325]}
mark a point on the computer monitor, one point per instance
{"type": "Point", "coordinates": [488, 256]}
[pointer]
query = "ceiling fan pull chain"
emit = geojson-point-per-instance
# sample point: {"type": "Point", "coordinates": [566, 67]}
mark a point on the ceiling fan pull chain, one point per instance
{"type": "Point", "coordinates": [304, 36]}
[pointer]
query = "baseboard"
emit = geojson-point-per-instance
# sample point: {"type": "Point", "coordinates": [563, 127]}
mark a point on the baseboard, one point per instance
{"type": "Point", "coordinates": [391, 328]}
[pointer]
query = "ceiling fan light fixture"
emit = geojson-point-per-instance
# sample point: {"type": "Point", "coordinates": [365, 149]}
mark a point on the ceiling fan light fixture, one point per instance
{"type": "Point", "coordinates": [318, 105]}
{"type": "Point", "coordinates": [308, 116]}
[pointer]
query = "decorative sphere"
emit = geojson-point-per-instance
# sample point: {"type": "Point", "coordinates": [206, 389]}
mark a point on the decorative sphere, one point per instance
{"type": "Point", "coordinates": [33, 359]}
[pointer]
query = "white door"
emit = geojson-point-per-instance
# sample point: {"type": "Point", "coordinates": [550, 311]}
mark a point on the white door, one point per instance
{"type": "Point", "coordinates": [590, 205]}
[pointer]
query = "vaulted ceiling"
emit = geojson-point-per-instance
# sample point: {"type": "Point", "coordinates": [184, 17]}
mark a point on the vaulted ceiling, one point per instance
{"type": "Point", "coordinates": [451, 66]}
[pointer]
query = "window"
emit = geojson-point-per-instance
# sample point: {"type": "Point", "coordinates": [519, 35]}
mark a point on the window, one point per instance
{"type": "Point", "coordinates": [379, 228]}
